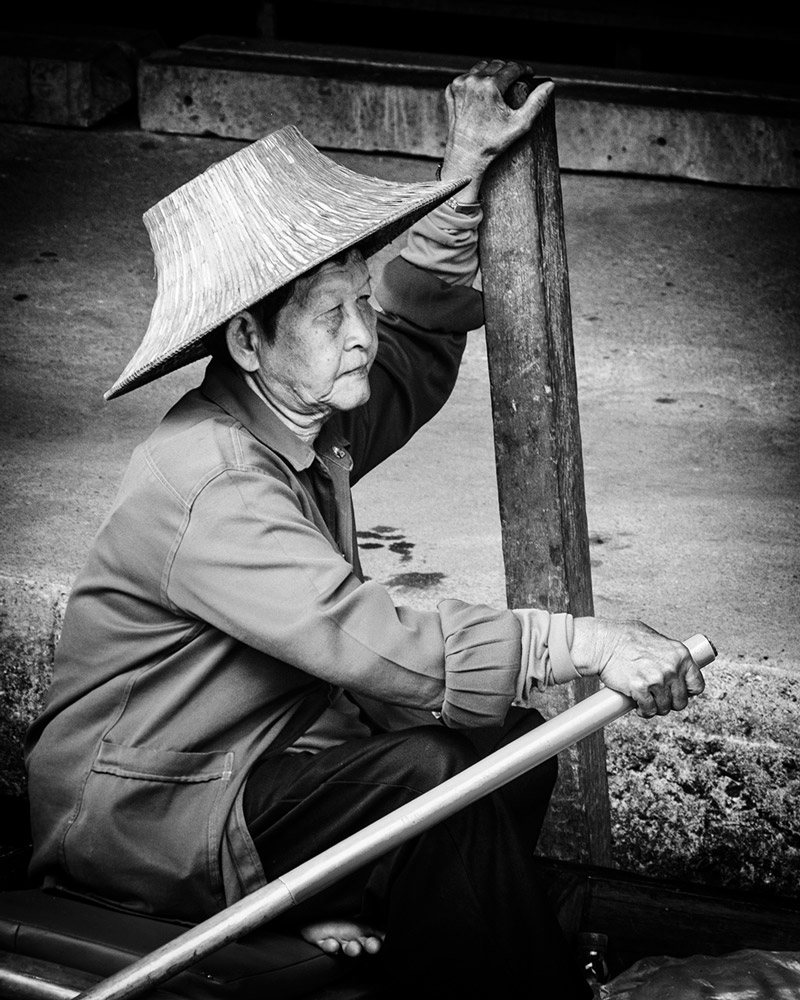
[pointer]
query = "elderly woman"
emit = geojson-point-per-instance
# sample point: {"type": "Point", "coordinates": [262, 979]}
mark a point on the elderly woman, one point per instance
{"type": "Point", "coordinates": [231, 695]}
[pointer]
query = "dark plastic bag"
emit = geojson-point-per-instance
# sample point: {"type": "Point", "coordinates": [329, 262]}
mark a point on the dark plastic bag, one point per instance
{"type": "Point", "coordinates": [741, 975]}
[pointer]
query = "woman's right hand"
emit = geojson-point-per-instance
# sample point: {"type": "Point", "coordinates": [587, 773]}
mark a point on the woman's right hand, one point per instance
{"type": "Point", "coordinates": [630, 657]}
{"type": "Point", "coordinates": [481, 123]}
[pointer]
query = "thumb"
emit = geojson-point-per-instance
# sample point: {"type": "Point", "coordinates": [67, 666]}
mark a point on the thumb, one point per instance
{"type": "Point", "coordinates": [695, 682]}
{"type": "Point", "coordinates": [536, 102]}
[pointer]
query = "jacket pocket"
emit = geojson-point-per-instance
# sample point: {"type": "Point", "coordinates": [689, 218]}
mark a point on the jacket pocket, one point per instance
{"type": "Point", "coordinates": [148, 829]}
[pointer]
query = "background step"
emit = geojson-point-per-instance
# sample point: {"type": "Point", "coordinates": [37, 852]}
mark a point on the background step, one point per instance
{"type": "Point", "coordinates": [391, 102]}
{"type": "Point", "coordinates": [61, 75]}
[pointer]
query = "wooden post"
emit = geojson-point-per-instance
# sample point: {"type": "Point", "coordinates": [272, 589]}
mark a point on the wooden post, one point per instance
{"type": "Point", "coordinates": [538, 444]}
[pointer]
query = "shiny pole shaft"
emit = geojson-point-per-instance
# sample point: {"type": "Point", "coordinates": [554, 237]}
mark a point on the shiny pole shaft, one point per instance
{"type": "Point", "coordinates": [377, 839]}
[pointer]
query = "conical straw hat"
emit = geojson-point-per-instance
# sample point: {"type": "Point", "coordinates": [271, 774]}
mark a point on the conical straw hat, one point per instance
{"type": "Point", "coordinates": [250, 224]}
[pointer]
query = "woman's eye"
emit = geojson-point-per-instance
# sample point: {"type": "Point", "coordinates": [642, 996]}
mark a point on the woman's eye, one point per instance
{"type": "Point", "coordinates": [331, 320]}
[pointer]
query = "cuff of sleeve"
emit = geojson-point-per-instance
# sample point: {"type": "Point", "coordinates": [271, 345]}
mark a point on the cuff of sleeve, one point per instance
{"type": "Point", "coordinates": [455, 214]}
{"type": "Point", "coordinates": [445, 242]}
{"type": "Point", "coordinates": [482, 653]}
{"type": "Point", "coordinates": [559, 644]}
{"type": "Point", "coordinates": [545, 658]}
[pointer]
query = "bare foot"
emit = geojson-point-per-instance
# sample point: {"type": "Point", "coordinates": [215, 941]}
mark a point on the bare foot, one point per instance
{"type": "Point", "coordinates": [345, 935]}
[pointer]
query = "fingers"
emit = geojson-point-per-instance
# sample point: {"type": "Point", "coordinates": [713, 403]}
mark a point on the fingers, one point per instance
{"type": "Point", "coordinates": [536, 101]}
{"type": "Point", "coordinates": [481, 123]}
{"type": "Point", "coordinates": [658, 673]}
{"type": "Point", "coordinates": [502, 73]}
{"type": "Point", "coordinates": [661, 699]}
{"type": "Point", "coordinates": [490, 67]}
{"type": "Point", "coordinates": [695, 682]}
{"type": "Point", "coordinates": [509, 70]}
{"type": "Point", "coordinates": [505, 73]}
{"type": "Point", "coordinates": [654, 699]}
{"type": "Point", "coordinates": [672, 691]}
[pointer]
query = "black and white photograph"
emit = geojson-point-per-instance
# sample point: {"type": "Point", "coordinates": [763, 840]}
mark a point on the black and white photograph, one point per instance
{"type": "Point", "coordinates": [399, 501]}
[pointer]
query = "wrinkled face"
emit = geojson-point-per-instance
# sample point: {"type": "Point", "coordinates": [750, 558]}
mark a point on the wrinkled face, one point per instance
{"type": "Point", "coordinates": [325, 342]}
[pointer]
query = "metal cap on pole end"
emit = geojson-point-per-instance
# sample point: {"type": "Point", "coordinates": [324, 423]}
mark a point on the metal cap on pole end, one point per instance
{"type": "Point", "coordinates": [701, 649]}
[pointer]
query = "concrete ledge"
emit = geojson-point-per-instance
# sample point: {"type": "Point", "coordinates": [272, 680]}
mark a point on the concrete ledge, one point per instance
{"type": "Point", "coordinates": [31, 613]}
{"type": "Point", "coordinates": [69, 76]}
{"type": "Point", "coordinates": [345, 98]}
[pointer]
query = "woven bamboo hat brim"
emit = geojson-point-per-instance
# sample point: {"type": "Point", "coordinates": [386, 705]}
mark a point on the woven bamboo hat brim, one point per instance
{"type": "Point", "coordinates": [250, 224]}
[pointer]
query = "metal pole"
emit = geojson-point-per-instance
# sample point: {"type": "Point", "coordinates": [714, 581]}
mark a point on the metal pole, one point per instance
{"type": "Point", "coordinates": [402, 824]}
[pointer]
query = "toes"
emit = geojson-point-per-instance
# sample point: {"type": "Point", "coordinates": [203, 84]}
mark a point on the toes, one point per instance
{"type": "Point", "coordinates": [349, 938]}
{"type": "Point", "coordinates": [372, 945]}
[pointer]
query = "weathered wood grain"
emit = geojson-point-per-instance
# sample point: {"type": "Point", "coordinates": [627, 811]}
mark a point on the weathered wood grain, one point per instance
{"type": "Point", "coordinates": [538, 443]}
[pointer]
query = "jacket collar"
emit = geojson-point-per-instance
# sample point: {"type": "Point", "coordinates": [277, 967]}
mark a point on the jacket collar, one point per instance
{"type": "Point", "coordinates": [223, 386]}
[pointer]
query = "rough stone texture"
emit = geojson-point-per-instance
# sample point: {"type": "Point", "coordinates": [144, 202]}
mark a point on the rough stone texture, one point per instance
{"type": "Point", "coordinates": [30, 623]}
{"type": "Point", "coordinates": [241, 95]}
{"type": "Point", "coordinates": [702, 145]}
{"type": "Point", "coordinates": [243, 104]}
{"type": "Point", "coordinates": [74, 78]}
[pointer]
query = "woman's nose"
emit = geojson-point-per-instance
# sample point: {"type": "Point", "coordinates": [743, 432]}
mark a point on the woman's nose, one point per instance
{"type": "Point", "coordinates": [360, 330]}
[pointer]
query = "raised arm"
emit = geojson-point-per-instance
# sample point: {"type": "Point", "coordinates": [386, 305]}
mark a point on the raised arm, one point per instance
{"type": "Point", "coordinates": [481, 124]}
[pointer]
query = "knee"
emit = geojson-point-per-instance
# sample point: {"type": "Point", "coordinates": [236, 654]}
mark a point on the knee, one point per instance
{"type": "Point", "coordinates": [527, 797]}
{"type": "Point", "coordinates": [544, 776]}
{"type": "Point", "coordinates": [541, 779]}
{"type": "Point", "coordinates": [431, 755]}
{"type": "Point", "coordinates": [539, 782]}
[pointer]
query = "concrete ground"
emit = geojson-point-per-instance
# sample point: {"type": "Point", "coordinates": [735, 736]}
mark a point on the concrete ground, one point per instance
{"type": "Point", "coordinates": [685, 310]}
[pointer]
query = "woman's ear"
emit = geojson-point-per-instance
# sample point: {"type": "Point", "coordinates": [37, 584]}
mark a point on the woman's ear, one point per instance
{"type": "Point", "coordinates": [242, 335]}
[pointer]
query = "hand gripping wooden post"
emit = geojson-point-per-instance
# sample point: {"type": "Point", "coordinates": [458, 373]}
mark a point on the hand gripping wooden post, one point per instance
{"type": "Point", "coordinates": [537, 440]}
{"type": "Point", "coordinates": [410, 820]}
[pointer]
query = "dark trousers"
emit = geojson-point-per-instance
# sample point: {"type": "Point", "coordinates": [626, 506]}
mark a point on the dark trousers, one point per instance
{"type": "Point", "coordinates": [463, 911]}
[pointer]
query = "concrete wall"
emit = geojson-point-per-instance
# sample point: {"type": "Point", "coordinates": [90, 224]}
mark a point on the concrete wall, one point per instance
{"type": "Point", "coordinates": [391, 102]}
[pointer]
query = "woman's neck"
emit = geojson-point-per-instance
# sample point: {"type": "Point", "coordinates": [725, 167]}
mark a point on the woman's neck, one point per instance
{"type": "Point", "coordinates": [305, 426]}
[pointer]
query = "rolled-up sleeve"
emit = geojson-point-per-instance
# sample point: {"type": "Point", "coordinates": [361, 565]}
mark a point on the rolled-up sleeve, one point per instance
{"type": "Point", "coordinates": [445, 242]}
{"type": "Point", "coordinates": [482, 663]}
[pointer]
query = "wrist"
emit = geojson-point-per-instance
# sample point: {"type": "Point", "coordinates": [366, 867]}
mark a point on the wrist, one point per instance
{"type": "Point", "coordinates": [586, 633]}
{"type": "Point", "coordinates": [465, 200]}
{"type": "Point", "coordinates": [457, 164]}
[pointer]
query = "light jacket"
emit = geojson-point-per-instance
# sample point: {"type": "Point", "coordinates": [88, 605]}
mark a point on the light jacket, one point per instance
{"type": "Point", "coordinates": [222, 609]}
